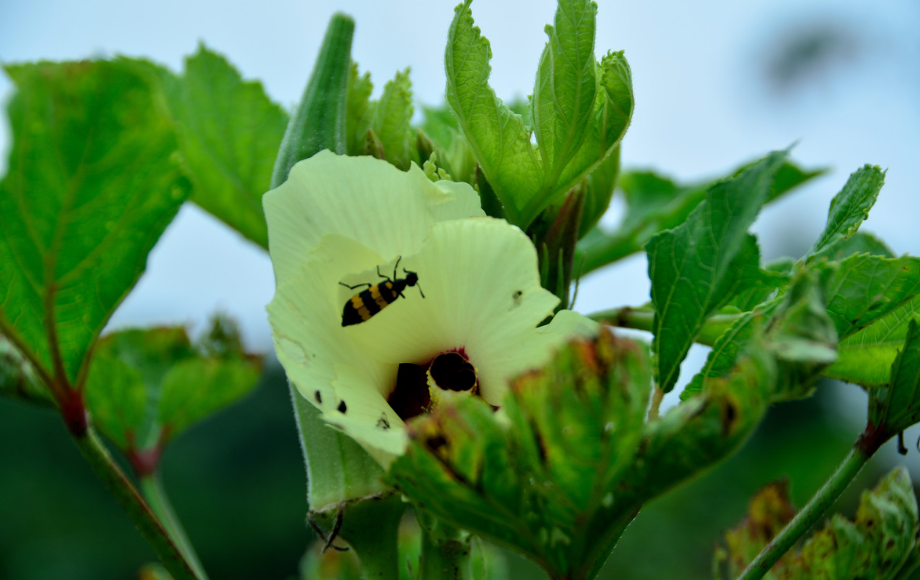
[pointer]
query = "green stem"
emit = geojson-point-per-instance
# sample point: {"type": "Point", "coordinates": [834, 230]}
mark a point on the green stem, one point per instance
{"type": "Point", "coordinates": [153, 492]}
{"type": "Point", "coordinates": [338, 469]}
{"type": "Point", "coordinates": [344, 481]}
{"type": "Point", "coordinates": [643, 319]}
{"type": "Point", "coordinates": [654, 407]}
{"type": "Point", "coordinates": [378, 555]}
{"type": "Point", "coordinates": [131, 501]}
{"type": "Point", "coordinates": [811, 513]}
{"type": "Point", "coordinates": [445, 550]}
{"type": "Point", "coordinates": [371, 527]}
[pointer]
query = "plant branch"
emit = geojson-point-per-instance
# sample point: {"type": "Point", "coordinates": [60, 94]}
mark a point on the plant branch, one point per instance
{"type": "Point", "coordinates": [131, 501]}
{"type": "Point", "coordinates": [644, 319]}
{"type": "Point", "coordinates": [153, 492]}
{"type": "Point", "coordinates": [866, 446]}
{"type": "Point", "coordinates": [657, 397]}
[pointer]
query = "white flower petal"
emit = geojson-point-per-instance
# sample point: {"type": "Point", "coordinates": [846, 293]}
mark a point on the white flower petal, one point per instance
{"type": "Point", "coordinates": [368, 200]}
{"type": "Point", "coordinates": [341, 220]}
{"type": "Point", "coordinates": [319, 357]}
{"type": "Point", "coordinates": [383, 446]}
{"type": "Point", "coordinates": [482, 295]}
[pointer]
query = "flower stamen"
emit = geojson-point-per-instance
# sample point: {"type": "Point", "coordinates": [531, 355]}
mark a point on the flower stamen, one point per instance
{"type": "Point", "coordinates": [451, 371]}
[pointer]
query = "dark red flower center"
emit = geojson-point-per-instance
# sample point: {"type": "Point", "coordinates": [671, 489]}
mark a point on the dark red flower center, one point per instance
{"type": "Point", "coordinates": [450, 371]}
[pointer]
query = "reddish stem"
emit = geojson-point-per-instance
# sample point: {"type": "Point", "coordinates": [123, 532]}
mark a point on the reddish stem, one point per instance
{"type": "Point", "coordinates": [73, 411]}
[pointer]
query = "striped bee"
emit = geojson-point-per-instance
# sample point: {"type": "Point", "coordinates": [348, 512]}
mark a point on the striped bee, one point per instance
{"type": "Point", "coordinates": [365, 304]}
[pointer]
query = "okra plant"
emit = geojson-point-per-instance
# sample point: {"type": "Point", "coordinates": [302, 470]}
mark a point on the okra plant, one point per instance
{"type": "Point", "coordinates": [424, 269]}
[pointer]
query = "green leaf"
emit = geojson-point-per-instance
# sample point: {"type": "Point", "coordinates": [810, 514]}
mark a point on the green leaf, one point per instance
{"type": "Point", "coordinates": [220, 374]}
{"type": "Point", "coordinates": [707, 428]}
{"type": "Point", "coordinates": [802, 335]}
{"type": "Point", "coordinates": [896, 406]}
{"type": "Point", "coordinates": [802, 330]}
{"type": "Point", "coordinates": [790, 176]}
{"type": "Point", "coordinates": [870, 300]}
{"type": "Point", "coordinates": [580, 111]}
{"type": "Point", "coordinates": [656, 203]}
{"type": "Point", "coordinates": [794, 328]}
{"type": "Point", "coordinates": [495, 134]}
{"type": "Point", "coordinates": [696, 268]}
{"type": "Point", "coordinates": [564, 471]}
{"type": "Point", "coordinates": [768, 513]}
{"type": "Point", "coordinates": [194, 389]}
{"type": "Point", "coordinates": [543, 482]}
{"type": "Point", "coordinates": [648, 193]}
{"type": "Point", "coordinates": [117, 399]}
{"type": "Point", "coordinates": [147, 386]}
{"type": "Point", "coordinates": [566, 86]}
{"type": "Point", "coordinates": [866, 356]}
{"type": "Point", "coordinates": [879, 543]}
{"type": "Point", "coordinates": [357, 120]}
{"type": "Point", "coordinates": [611, 117]}
{"type": "Point", "coordinates": [728, 348]}
{"type": "Point", "coordinates": [866, 288]}
{"type": "Point", "coordinates": [601, 184]}
{"type": "Point", "coordinates": [229, 134]}
{"type": "Point", "coordinates": [851, 206]}
{"type": "Point", "coordinates": [91, 185]}
{"type": "Point", "coordinates": [123, 388]}
{"type": "Point", "coordinates": [699, 433]}
{"type": "Point", "coordinates": [768, 284]}
{"type": "Point", "coordinates": [858, 243]}
{"type": "Point", "coordinates": [392, 116]}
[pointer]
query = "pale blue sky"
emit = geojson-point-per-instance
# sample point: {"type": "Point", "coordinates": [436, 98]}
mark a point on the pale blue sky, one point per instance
{"type": "Point", "coordinates": [702, 106]}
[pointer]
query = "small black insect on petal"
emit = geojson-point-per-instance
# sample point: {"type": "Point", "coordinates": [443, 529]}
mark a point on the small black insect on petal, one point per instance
{"type": "Point", "coordinates": [382, 422]}
{"type": "Point", "coordinates": [342, 407]}
{"type": "Point", "coordinates": [319, 397]}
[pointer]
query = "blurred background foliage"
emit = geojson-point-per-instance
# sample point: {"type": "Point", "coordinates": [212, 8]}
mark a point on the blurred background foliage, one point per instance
{"type": "Point", "coordinates": [237, 482]}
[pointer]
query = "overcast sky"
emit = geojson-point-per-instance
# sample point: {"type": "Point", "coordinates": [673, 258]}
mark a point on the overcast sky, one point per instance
{"type": "Point", "coordinates": [716, 83]}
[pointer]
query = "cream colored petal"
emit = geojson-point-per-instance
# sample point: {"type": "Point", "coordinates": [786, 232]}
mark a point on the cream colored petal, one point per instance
{"type": "Point", "coordinates": [368, 200]}
{"type": "Point", "coordinates": [482, 295]}
{"type": "Point", "coordinates": [372, 423]}
{"type": "Point", "coordinates": [318, 356]}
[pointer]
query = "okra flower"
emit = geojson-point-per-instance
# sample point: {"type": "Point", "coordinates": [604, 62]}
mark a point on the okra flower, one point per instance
{"type": "Point", "coordinates": [466, 326]}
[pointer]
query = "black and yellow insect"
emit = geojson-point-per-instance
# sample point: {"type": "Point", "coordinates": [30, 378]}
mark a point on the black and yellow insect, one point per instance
{"type": "Point", "coordinates": [365, 304]}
